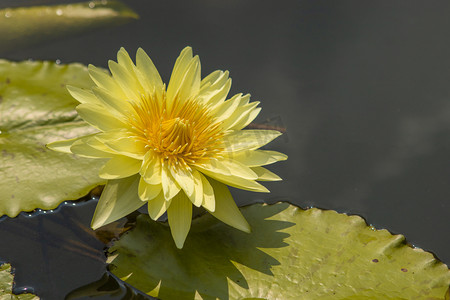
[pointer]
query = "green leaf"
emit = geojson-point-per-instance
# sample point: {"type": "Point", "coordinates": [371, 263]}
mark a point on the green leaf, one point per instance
{"type": "Point", "coordinates": [6, 284]}
{"type": "Point", "coordinates": [290, 254]}
{"type": "Point", "coordinates": [36, 109]}
{"type": "Point", "coordinates": [24, 26]}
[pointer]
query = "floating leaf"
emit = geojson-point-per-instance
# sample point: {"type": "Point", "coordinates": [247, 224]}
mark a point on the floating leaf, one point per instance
{"type": "Point", "coordinates": [325, 255]}
{"type": "Point", "coordinates": [30, 25]}
{"type": "Point", "coordinates": [35, 109]}
{"type": "Point", "coordinates": [6, 283]}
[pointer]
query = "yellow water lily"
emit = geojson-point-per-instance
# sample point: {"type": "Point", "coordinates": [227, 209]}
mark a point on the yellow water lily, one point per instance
{"type": "Point", "coordinates": [170, 147]}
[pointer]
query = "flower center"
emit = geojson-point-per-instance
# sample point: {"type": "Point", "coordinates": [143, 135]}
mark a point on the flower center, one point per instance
{"type": "Point", "coordinates": [182, 136]}
{"type": "Point", "coordinates": [175, 136]}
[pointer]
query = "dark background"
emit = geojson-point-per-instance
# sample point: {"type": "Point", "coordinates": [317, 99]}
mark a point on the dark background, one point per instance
{"type": "Point", "coordinates": [361, 86]}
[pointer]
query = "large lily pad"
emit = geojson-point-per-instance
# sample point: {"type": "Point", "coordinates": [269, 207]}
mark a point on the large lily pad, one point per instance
{"type": "Point", "coordinates": [291, 254]}
{"type": "Point", "coordinates": [6, 284]}
{"type": "Point", "coordinates": [24, 26]}
{"type": "Point", "coordinates": [35, 109]}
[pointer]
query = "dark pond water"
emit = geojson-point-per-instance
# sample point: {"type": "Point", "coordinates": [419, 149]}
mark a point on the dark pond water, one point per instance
{"type": "Point", "coordinates": [362, 88]}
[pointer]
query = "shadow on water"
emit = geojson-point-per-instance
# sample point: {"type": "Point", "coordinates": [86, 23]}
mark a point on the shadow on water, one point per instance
{"type": "Point", "coordinates": [107, 286]}
{"type": "Point", "coordinates": [210, 258]}
{"type": "Point", "coordinates": [50, 249]}
{"type": "Point", "coordinates": [48, 246]}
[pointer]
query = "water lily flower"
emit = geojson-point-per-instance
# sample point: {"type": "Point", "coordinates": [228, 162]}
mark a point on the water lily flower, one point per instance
{"type": "Point", "coordinates": [170, 147]}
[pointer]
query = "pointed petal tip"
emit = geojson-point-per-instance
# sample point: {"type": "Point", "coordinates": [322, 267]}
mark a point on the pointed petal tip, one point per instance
{"type": "Point", "coordinates": [179, 216]}
{"type": "Point", "coordinates": [111, 63]}
{"type": "Point", "coordinates": [246, 229]}
{"type": "Point", "coordinates": [49, 146]}
{"type": "Point", "coordinates": [242, 225]}
{"type": "Point", "coordinates": [60, 146]}
{"type": "Point", "coordinates": [186, 49]}
{"type": "Point", "coordinates": [179, 244]}
{"type": "Point", "coordinates": [157, 206]}
{"type": "Point", "coordinates": [209, 209]}
{"type": "Point", "coordinates": [92, 68]}
{"type": "Point", "coordinates": [95, 224]}
{"type": "Point", "coordinates": [141, 52]}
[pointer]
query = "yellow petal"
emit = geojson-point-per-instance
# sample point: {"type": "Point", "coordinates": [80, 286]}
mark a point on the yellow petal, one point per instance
{"type": "Point", "coordinates": [148, 191]}
{"type": "Point", "coordinates": [226, 209]}
{"type": "Point", "coordinates": [115, 104]}
{"type": "Point", "coordinates": [197, 196]}
{"type": "Point", "coordinates": [220, 95]}
{"type": "Point", "coordinates": [209, 200]}
{"type": "Point", "coordinates": [150, 74]}
{"type": "Point", "coordinates": [189, 86]}
{"type": "Point", "coordinates": [214, 88]}
{"type": "Point", "coordinates": [125, 61]}
{"type": "Point", "coordinates": [213, 165]}
{"type": "Point", "coordinates": [265, 175]}
{"type": "Point", "coordinates": [225, 109]}
{"type": "Point", "coordinates": [226, 166]}
{"type": "Point", "coordinates": [120, 167]}
{"type": "Point", "coordinates": [243, 114]}
{"type": "Point", "coordinates": [98, 117]}
{"type": "Point", "coordinates": [82, 95]}
{"type": "Point", "coordinates": [238, 182]}
{"type": "Point", "coordinates": [249, 139]}
{"type": "Point", "coordinates": [255, 158]}
{"type": "Point", "coordinates": [64, 145]}
{"type": "Point", "coordinates": [179, 214]}
{"type": "Point", "coordinates": [104, 80]}
{"type": "Point", "coordinates": [129, 146]}
{"type": "Point", "coordinates": [123, 142]}
{"type": "Point", "coordinates": [211, 78]}
{"type": "Point", "coordinates": [184, 179]}
{"type": "Point", "coordinates": [79, 147]}
{"type": "Point", "coordinates": [238, 169]}
{"type": "Point", "coordinates": [179, 71]}
{"type": "Point", "coordinates": [245, 118]}
{"type": "Point", "coordinates": [126, 79]}
{"type": "Point", "coordinates": [151, 168]}
{"type": "Point", "coordinates": [158, 206]}
{"type": "Point", "coordinates": [91, 147]}
{"type": "Point", "coordinates": [118, 199]}
{"type": "Point", "coordinates": [191, 81]}
{"type": "Point", "coordinates": [84, 149]}
{"type": "Point", "coordinates": [169, 185]}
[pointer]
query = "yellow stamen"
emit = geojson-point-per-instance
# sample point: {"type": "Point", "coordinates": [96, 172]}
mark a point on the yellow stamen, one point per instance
{"type": "Point", "coordinates": [182, 136]}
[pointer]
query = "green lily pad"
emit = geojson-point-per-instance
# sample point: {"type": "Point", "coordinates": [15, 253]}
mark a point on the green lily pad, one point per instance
{"type": "Point", "coordinates": [291, 254]}
{"type": "Point", "coordinates": [6, 284]}
{"type": "Point", "coordinates": [36, 109]}
{"type": "Point", "coordinates": [24, 26]}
